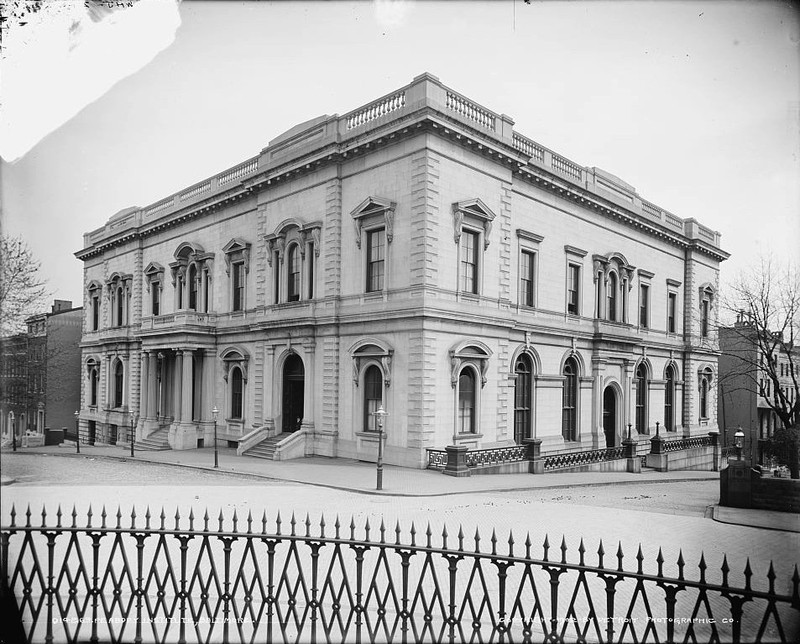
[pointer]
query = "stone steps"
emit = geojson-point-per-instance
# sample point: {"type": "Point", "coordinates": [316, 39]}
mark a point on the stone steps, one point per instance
{"type": "Point", "coordinates": [155, 442]}
{"type": "Point", "coordinates": [266, 448]}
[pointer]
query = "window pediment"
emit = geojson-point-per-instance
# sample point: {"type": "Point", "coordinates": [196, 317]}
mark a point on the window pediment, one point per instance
{"type": "Point", "coordinates": [374, 206]}
{"type": "Point", "coordinates": [187, 250]}
{"type": "Point", "coordinates": [474, 212]}
{"type": "Point", "coordinates": [233, 356]}
{"type": "Point", "coordinates": [370, 350]}
{"type": "Point", "coordinates": [472, 352]}
{"type": "Point", "coordinates": [237, 249]}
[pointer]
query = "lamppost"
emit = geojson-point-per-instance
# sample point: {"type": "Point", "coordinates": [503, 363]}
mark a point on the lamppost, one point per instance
{"type": "Point", "coordinates": [215, 413]}
{"type": "Point", "coordinates": [738, 441]}
{"type": "Point", "coordinates": [13, 430]}
{"type": "Point", "coordinates": [379, 416]}
{"type": "Point", "coordinates": [134, 422]}
{"type": "Point", "coordinates": [77, 433]}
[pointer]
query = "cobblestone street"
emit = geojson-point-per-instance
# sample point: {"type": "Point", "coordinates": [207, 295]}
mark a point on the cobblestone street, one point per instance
{"type": "Point", "coordinates": [669, 517]}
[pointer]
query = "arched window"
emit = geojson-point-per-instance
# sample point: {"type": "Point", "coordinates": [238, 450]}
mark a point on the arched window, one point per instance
{"type": "Point", "coordinates": [522, 399]}
{"type": "Point", "coordinates": [466, 401]}
{"type": "Point", "coordinates": [705, 389]}
{"type": "Point", "coordinates": [641, 398]}
{"type": "Point", "coordinates": [93, 382]}
{"type": "Point", "coordinates": [669, 400]}
{"type": "Point", "coordinates": [293, 275]}
{"type": "Point", "coordinates": [119, 305]}
{"type": "Point", "coordinates": [611, 296]}
{"type": "Point", "coordinates": [373, 396]}
{"type": "Point", "coordinates": [119, 377]}
{"type": "Point", "coordinates": [569, 404]}
{"type": "Point", "coordinates": [237, 392]}
{"type": "Point", "coordinates": [193, 287]}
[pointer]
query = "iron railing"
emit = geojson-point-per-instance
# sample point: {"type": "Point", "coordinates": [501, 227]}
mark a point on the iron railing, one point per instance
{"type": "Point", "coordinates": [575, 459]}
{"type": "Point", "coordinates": [496, 456]}
{"type": "Point", "coordinates": [240, 582]}
{"type": "Point", "coordinates": [437, 458]}
{"type": "Point", "coordinates": [686, 443]}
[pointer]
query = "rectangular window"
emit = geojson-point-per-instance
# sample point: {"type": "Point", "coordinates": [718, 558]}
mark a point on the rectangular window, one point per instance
{"type": "Point", "coordinates": [469, 262]}
{"type": "Point", "coordinates": [704, 318]}
{"type": "Point", "coordinates": [672, 304]}
{"type": "Point", "coordinates": [644, 293]}
{"type": "Point", "coordinates": [376, 253]}
{"type": "Point", "coordinates": [95, 312]}
{"type": "Point", "coordinates": [527, 275]}
{"type": "Point", "coordinates": [155, 295]}
{"type": "Point", "coordinates": [311, 270]}
{"type": "Point", "coordinates": [238, 286]}
{"type": "Point", "coordinates": [573, 289]}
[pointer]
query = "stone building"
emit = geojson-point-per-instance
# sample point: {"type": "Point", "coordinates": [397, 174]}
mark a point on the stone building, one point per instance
{"type": "Point", "coordinates": [746, 384]}
{"type": "Point", "coordinates": [40, 383]}
{"type": "Point", "coordinates": [417, 254]}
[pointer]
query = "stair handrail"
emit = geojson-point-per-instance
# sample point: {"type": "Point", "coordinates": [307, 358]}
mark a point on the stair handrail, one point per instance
{"type": "Point", "coordinates": [252, 438]}
{"type": "Point", "coordinates": [289, 441]}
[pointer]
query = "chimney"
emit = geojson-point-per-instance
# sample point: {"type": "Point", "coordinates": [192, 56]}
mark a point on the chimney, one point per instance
{"type": "Point", "coordinates": [61, 305]}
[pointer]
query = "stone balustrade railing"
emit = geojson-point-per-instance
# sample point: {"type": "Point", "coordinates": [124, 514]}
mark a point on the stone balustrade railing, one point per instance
{"type": "Point", "coordinates": [375, 110]}
{"type": "Point", "coordinates": [469, 110]}
{"type": "Point", "coordinates": [423, 91]}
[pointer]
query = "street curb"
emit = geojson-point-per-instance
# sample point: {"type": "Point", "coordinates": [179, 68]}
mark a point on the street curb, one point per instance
{"type": "Point", "coordinates": [264, 477]}
{"type": "Point", "coordinates": [714, 511]}
{"type": "Point", "coordinates": [7, 480]}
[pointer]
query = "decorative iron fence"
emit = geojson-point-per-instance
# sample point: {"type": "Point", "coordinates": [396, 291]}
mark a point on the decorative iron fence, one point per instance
{"type": "Point", "coordinates": [496, 456]}
{"type": "Point", "coordinates": [242, 583]}
{"type": "Point", "coordinates": [686, 443]}
{"type": "Point", "coordinates": [575, 459]}
{"type": "Point", "coordinates": [437, 458]}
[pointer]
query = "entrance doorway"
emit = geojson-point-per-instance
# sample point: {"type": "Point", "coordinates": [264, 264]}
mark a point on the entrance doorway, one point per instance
{"type": "Point", "coordinates": [610, 416]}
{"type": "Point", "coordinates": [293, 385]}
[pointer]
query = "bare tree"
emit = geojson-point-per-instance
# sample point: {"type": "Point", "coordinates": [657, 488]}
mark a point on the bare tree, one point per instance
{"type": "Point", "coordinates": [22, 289]}
{"type": "Point", "coordinates": [766, 360]}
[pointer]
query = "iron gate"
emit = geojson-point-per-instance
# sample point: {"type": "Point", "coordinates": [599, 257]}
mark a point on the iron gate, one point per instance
{"type": "Point", "coordinates": [154, 579]}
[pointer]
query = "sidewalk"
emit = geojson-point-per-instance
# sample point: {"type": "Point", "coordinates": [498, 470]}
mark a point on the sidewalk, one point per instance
{"type": "Point", "coordinates": [360, 477]}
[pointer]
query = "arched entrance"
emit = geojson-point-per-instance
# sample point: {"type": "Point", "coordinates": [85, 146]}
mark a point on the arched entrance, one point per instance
{"type": "Point", "coordinates": [610, 416]}
{"type": "Point", "coordinates": [293, 385]}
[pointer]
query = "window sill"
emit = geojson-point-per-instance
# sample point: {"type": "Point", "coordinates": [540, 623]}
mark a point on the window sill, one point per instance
{"type": "Point", "coordinates": [468, 436]}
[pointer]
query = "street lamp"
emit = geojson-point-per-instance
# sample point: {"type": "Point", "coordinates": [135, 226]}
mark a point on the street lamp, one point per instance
{"type": "Point", "coordinates": [215, 413]}
{"type": "Point", "coordinates": [13, 431]}
{"type": "Point", "coordinates": [738, 441]}
{"type": "Point", "coordinates": [134, 422]}
{"type": "Point", "coordinates": [379, 416]}
{"type": "Point", "coordinates": [77, 433]}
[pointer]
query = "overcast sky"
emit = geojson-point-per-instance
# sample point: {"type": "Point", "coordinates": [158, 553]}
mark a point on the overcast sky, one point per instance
{"type": "Point", "coordinates": [697, 105]}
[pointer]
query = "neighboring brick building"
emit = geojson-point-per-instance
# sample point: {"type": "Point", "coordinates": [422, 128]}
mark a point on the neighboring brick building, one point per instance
{"type": "Point", "coordinates": [41, 372]}
{"type": "Point", "coordinates": [418, 254]}
{"type": "Point", "coordinates": [745, 385]}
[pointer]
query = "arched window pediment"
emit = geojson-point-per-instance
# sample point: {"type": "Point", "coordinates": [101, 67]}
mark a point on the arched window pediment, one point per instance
{"type": "Point", "coordinates": [187, 251]}
{"type": "Point", "coordinates": [234, 356]}
{"type": "Point", "coordinates": [371, 351]}
{"type": "Point", "coordinates": [293, 230]}
{"type": "Point", "coordinates": [472, 352]}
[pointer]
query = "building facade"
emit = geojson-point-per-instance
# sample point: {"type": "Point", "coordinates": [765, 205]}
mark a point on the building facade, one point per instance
{"type": "Point", "coordinates": [746, 385]}
{"type": "Point", "coordinates": [40, 372]}
{"type": "Point", "coordinates": [415, 254]}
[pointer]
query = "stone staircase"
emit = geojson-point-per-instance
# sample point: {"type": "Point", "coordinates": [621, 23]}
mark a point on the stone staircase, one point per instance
{"type": "Point", "coordinates": [155, 442]}
{"type": "Point", "coordinates": [266, 448]}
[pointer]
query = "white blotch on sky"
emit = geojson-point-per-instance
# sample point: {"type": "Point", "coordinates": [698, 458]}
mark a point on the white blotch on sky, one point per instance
{"type": "Point", "coordinates": [68, 55]}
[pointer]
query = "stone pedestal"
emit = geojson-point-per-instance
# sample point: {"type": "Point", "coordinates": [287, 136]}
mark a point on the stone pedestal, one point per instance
{"type": "Point", "coordinates": [456, 460]}
{"type": "Point", "coordinates": [534, 454]}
